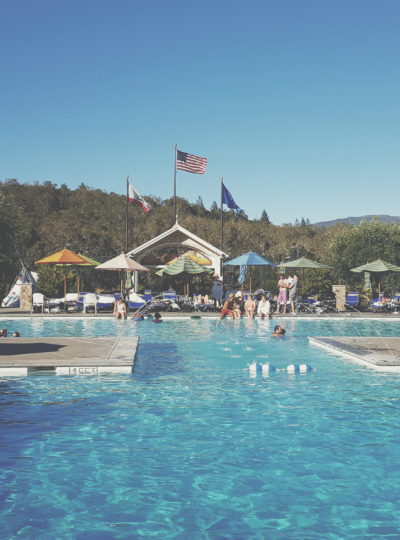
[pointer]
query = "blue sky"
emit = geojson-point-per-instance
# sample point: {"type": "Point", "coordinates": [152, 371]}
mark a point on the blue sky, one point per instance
{"type": "Point", "coordinates": [295, 103]}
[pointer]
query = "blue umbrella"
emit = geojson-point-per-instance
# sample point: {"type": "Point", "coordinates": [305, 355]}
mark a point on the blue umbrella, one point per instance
{"type": "Point", "coordinates": [250, 259]}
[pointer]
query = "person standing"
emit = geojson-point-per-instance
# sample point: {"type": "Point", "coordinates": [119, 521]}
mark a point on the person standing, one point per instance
{"type": "Point", "coordinates": [217, 291]}
{"type": "Point", "coordinates": [282, 295]}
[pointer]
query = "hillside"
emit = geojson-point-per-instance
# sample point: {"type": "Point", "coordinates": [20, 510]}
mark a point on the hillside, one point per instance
{"type": "Point", "coordinates": [357, 220]}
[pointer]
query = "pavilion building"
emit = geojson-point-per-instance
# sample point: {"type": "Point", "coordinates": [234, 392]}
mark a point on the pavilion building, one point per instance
{"type": "Point", "coordinates": [160, 250]}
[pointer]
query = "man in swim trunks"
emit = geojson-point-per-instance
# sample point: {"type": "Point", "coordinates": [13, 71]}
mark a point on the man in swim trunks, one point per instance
{"type": "Point", "coordinates": [282, 296]}
{"type": "Point", "coordinates": [227, 308]}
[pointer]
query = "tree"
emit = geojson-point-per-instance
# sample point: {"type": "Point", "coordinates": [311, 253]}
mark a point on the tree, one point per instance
{"type": "Point", "coordinates": [11, 231]}
{"type": "Point", "coordinates": [356, 245]}
{"type": "Point", "coordinates": [264, 218]}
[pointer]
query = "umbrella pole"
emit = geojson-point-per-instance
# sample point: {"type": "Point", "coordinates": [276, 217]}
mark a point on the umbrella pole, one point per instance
{"type": "Point", "coordinates": [65, 283]}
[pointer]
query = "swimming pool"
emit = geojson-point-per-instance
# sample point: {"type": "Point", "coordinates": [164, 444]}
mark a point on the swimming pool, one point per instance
{"type": "Point", "coordinates": [191, 446]}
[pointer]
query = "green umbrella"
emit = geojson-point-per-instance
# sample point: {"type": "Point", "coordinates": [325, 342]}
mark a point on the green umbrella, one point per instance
{"type": "Point", "coordinates": [378, 267]}
{"type": "Point", "coordinates": [304, 263]}
{"type": "Point", "coordinates": [89, 262]}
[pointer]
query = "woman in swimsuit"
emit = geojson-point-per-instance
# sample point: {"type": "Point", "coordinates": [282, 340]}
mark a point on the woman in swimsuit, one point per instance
{"type": "Point", "coordinates": [120, 309]}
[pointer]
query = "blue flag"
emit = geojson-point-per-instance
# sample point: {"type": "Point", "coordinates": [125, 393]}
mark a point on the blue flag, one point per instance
{"type": "Point", "coordinates": [229, 201]}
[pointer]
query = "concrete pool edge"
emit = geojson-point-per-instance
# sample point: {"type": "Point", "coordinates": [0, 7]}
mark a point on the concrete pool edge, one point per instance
{"type": "Point", "coordinates": [378, 353]}
{"type": "Point", "coordinates": [68, 355]}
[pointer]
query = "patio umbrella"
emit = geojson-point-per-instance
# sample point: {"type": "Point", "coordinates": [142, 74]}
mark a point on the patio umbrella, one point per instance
{"type": "Point", "coordinates": [377, 267]}
{"type": "Point", "coordinates": [122, 263]}
{"type": "Point", "coordinates": [64, 258]}
{"type": "Point", "coordinates": [303, 262]}
{"type": "Point", "coordinates": [185, 264]}
{"type": "Point", "coordinates": [89, 262]}
{"type": "Point", "coordinates": [249, 259]}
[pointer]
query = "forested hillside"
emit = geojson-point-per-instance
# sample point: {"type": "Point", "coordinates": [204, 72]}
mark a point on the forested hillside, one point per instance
{"type": "Point", "coordinates": [39, 219]}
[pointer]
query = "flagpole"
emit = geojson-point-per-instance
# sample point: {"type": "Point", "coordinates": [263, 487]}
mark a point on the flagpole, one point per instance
{"type": "Point", "coordinates": [175, 211]}
{"type": "Point", "coordinates": [222, 221]}
{"type": "Point", "coordinates": [126, 214]}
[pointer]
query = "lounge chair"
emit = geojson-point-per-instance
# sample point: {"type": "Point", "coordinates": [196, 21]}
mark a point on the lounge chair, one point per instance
{"type": "Point", "coordinates": [105, 302]}
{"type": "Point", "coordinates": [148, 295]}
{"type": "Point", "coordinates": [71, 301]}
{"type": "Point", "coordinates": [89, 300]}
{"type": "Point", "coordinates": [37, 301]}
{"type": "Point", "coordinates": [169, 295]}
{"type": "Point", "coordinates": [352, 300]}
{"type": "Point", "coordinates": [136, 301]}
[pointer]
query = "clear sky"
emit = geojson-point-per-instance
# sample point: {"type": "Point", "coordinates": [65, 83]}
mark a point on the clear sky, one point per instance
{"type": "Point", "coordinates": [295, 103]}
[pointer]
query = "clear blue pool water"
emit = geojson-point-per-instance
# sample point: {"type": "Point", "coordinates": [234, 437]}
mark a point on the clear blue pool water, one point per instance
{"type": "Point", "coordinates": [191, 447]}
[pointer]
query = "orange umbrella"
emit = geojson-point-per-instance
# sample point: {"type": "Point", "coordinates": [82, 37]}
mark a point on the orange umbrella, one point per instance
{"type": "Point", "coordinates": [64, 257]}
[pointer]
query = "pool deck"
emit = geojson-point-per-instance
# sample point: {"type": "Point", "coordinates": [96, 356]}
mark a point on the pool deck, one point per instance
{"type": "Point", "coordinates": [6, 313]}
{"type": "Point", "coordinates": [380, 353]}
{"type": "Point", "coordinates": [67, 356]}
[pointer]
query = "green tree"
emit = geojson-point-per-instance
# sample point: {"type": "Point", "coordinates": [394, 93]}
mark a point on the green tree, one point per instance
{"type": "Point", "coordinates": [356, 245]}
{"type": "Point", "coordinates": [265, 218]}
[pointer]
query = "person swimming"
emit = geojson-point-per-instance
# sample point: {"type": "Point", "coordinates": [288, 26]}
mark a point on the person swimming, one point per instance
{"type": "Point", "coordinates": [157, 317]}
{"type": "Point", "coordinates": [279, 331]}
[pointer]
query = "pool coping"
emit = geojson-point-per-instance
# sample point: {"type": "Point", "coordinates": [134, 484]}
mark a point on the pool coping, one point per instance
{"type": "Point", "coordinates": [68, 355]}
{"type": "Point", "coordinates": [379, 353]}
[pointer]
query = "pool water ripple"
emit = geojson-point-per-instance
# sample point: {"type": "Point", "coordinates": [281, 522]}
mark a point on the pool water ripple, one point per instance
{"type": "Point", "coordinates": [191, 446]}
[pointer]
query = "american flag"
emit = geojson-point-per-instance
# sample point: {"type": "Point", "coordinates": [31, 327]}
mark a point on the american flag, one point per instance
{"type": "Point", "coordinates": [190, 163]}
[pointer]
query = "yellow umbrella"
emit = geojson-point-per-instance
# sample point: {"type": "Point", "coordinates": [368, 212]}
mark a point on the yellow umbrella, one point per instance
{"type": "Point", "coordinates": [63, 258]}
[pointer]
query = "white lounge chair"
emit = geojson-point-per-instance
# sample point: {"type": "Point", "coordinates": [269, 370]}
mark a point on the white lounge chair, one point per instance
{"type": "Point", "coordinates": [70, 301]}
{"type": "Point", "coordinates": [37, 301]}
{"type": "Point", "coordinates": [90, 300]}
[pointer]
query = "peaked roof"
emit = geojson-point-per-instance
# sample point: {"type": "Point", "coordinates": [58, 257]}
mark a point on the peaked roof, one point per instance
{"type": "Point", "coordinates": [170, 232]}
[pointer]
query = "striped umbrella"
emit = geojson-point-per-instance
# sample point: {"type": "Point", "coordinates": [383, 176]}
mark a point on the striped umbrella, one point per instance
{"type": "Point", "coordinates": [367, 283]}
{"type": "Point", "coordinates": [377, 267]}
{"type": "Point", "coordinates": [184, 264]}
